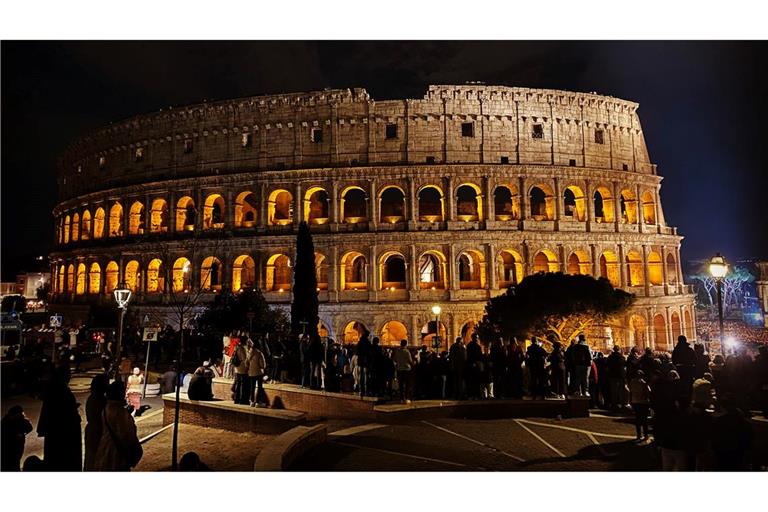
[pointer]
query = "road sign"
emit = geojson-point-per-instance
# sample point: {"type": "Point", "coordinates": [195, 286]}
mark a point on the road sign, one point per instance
{"type": "Point", "coordinates": [55, 321]}
{"type": "Point", "coordinates": [150, 334]}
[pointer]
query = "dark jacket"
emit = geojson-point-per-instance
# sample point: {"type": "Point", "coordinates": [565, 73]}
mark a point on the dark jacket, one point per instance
{"type": "Point", "coordinates": [199, 388]}
{"type": "Point", "coordinates": [581, 355]}
{"type": "Point", "coordinates": [14, 429]}
{"type": "Point", "coordinates": [614, 366]}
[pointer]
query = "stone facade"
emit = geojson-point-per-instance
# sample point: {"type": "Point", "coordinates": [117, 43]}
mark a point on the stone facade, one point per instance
{"type": "Point", "coordinates": [442, 200]}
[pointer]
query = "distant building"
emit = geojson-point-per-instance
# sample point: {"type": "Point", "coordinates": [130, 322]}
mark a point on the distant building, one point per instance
{"type": "Point", "coordinates": [762, 288]}
{"type": "Point", "coordinates": [7, 288]}
{"type": "Point", "coordinates": [27, 283]}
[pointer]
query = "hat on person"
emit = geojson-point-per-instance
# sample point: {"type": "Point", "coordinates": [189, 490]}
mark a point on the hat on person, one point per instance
{"type": "Point", "coordinates": [206, 364]}
{"type": "Point", "coordinates": [136, 371]}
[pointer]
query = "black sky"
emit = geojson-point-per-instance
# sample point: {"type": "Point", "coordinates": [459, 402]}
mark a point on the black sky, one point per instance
{"type": "Point", "coordinates": [703, 106]}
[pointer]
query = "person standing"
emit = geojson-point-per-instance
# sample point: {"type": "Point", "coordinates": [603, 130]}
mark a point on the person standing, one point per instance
{"type": "Point", "coordinates": [316, 359]}
{"type": "Point", "coordinates": [119, 447]}
{"type": "Point", "coordinates": [363, 353]}
{"type": "Point", "coordinates": [14, 428]}
{"type": "Point", "coordinates": [684, 359]}
{"type": "Point", "coordinates": [458, 361]}
{"type": "Point", "coordinates": [134, 390]}
{"type": "Point", "coordinates": [475, 368]}
{"type": "Point", "coordinates": [498, 359]}
{"type": "Point", "coordinates": [557, 370]}
{"type": "Point", "coordinates": [615, 368]}
{"type": "Point", "coordinates": [536, 357]}
{"type": "Point", "coordinates": [257, 365]}
{"type": "Point", "coordinates": [240, 363]}
{"type": "Point", "coordinates": [94, 406]}
{"type": "Point", "coordinates": [403, 366]}
{"type": "Point", "coordinates": [640, 398]}
{"type": "Point", "coordinates": [515, 360]}
{"type": "Point", "coordinates": [582, 361]}
{"type": "Point", "coordinates": [59, 424]}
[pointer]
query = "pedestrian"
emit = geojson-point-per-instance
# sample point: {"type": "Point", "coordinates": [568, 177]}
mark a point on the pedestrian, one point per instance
{"type": "Point", "coordinates": [304, 360]}
{"type": "Point", "coordinates": [582, 361]}
{"type": "Point", "coordinates": [14, 428]}
{"type": "Point", "coordinates": [570, 367]}
{"type": "Point", "coordinates": [615, 368]}
{"type": "Point", "coordinates": [732, 438]}
{"type": "Point", "coordinates": [169, 380]}
{"type": "Point", "coordinates": [536, 357]}
{"type": "Point", "coordinates": [316, 359]}
{"type": "Point", "coordinates": [134, 389]}
{"type": "Point", "coordinates": [119, 447]}
{"type": "Point", "coordinates": [475, 368]}
{"type": "Point", "coordinates": [94, 406]}
{"type": "Point", "coordinates": [403, 366]}
{"type": "Point", "coordinates": [684, 359]}
{"type": "Point", "coordinates": [457, 358]}
{"type": "Point", "coordinates": [59, 424]}
{"type": "Point", "coordinates": [363, 352]}
{"type": "Point", "coordinates": [701, 365]}
{"type": "Point", "coordinates": [257, 367]}
{"type": "Point", "coordinates": [640, 399]}
{"type": "Point", "coordinates": [498, 360]}
{"type": "Point", "coordinates": [557, 375]}
{"type": "Point", "coordinates": [239, 362]}
{"type": "Point", "coordinates": [703, 392]}
{"type": "Point", "coordinates": [199, 386]}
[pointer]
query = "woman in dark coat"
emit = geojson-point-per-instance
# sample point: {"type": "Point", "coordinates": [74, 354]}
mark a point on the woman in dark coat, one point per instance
{"type": "Point", "coordinates": [59, 424]}
{"type": "Point", "coordinates": [94, 406]}
{"type": "Point", "coordinates": [557, 369]}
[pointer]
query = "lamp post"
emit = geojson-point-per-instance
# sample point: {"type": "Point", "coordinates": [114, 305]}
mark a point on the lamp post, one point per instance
{"type": "Point", "coordinates": [718, 268]}
{"type": "Point", "coordinates": [436, 310]}
{"type": "Point", "coordinates": [122, 297]}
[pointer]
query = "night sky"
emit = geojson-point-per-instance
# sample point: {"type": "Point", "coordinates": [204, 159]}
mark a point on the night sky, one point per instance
{"type": "Point", "coordinates": [703, 106]}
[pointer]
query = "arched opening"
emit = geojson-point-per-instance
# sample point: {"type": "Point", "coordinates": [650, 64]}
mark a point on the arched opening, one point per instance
{"type": "Point", "coordinates": [155, 276]}
{"type": "Point", "coordinates": [316, 206]}
{"type": "Point", "coordinates": [609, 268]}
{"type": "Point", "coordinates": [85, 232]}
{"type": "Point", "coordinates": [635, 269]}
{"type": "Point", "coordinates": [393, 272]}
{"type": "Point", "coordinates": [545, 261]}
{"type": "Point", "coordinates": [469, 205]}
{"type": "Point", "coordinates": [688, 325]}
{"type": "Point", "coordinates": [574, 207]}
{"type": "Point", "coordinates": [506, 203]}
{"type": "Point", "coordinates": [677, 329]}
{"type": "Point", "coordinates": [182, 275]}
{"type": "Point", "coordinates": [321, 271]}
{"type": "Point", "coordinates": [671, 269]}
{"type": "Point", "coordinates": [603, 205]}
{"type": "Point", "coordinates": [94, 279]}
{"type": "Point", "coordinates": [279, 276]}
{"type": "Point", "coordinates": [136, 219]}
{"type": "Point", "coordinates": [649, 208]}
{"type": "Point", "coordinates": [471, 268]}
{"type": "Point", "coordinates": [322, 329]}
{"type": "Point", "coordinates": [98, 223]}
{"type": "Point", "coordinates": [392, 332]}
{"type": "Point", "coordinates": [116, 220]}
{"type": "Point", "coordinates": [542, 202]}
{"type": "Point", "coordinates": [75, 227]}
{"type": "Point", "coordinates": [638, 331]}
{"type": "Point", "coordinates": [510, 268]}
{"type": "Point", "coordinates": [213, 212]}
{"type": "Point", "coordinates": [210, 274]}
{"type": "Point", "coordinates": [352, 332]}
{"type": "Point", "coordinates": [392, 208]}
{"type": "Point", "coordinates": [158, 216]}
{"type": "Point", "coordinates": [467, 330]}
{"type": "Point", "coordinates": [432, 274]}
{"type": "Point", "coordinates": [67, 227]}
{"type": "Point", "coordinates": [186, 214]}
{"type": "Point", "coordinates": [80, 290]}
{"type": "Point", "coordinates": [628, 207]}
{"type": "Point", "coordinates": [132, 275]}
{"type": "Point", "coordinates": [111, 276]}
{"type": "Point", "coordinates": [280, 208]}
{"type": "Point", "coordinates": [431, 204]}
{"type": "Point", "coordinates": [354, 274]}
{"type": "Point", "coordinates": [655, 269]}
{"type": "Point", "coordinates": [354, 205]}
{"type": "Point", "coordinates": [578, 263]}
{"type": "Point", "coordinates": [60, 279]}
{"type": "Point", "coordinates": [428, 332]}
{"type": "Point", "coordinates": [660, 332]}
{"type": "Point", "coordinates": [243, 273]}
{"type": "Point", "coordinates": [245, 210]}
{"type": "Point", "coordinates": [71, 278]}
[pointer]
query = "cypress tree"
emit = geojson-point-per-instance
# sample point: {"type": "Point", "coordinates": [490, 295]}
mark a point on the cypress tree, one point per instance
{"type": "Point", "coordinates": [305, 303]}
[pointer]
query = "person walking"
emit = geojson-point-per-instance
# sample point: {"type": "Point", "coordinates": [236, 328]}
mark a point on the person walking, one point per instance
{"type": "Point", "coordinates": [403, 366]}
{"type": "Point", "coordinates": [94, 406]}
{"type": "Point", "coordinates": [134, 390]}
{"type": "Point", "coordinates": [14, 428]}
{"type": "Point", "coordinates": [457, 358]}
{"type": "Point", "coordinates": [239, 362]}
{"type": "Point", "coordinates": [640, 399]}
{"type": "Point", "coordinates": [582, 361]}
{"type": "Point", "coordinates": [59, 424]}
{"type": "Point", "coordinates": [119, 447]}
{"type": "Point", "coordinates": [257, 366]}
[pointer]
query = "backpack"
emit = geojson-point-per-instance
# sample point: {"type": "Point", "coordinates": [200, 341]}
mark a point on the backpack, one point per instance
{"type": "Point", "coordinates": [236, 361]}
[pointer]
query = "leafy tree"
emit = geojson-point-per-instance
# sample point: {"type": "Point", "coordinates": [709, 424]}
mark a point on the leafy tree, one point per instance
{"type": "Point", "coordinates": [229, 311]}
{"type": "Point", "coordinates": [552, 303]}
{"type": "Point", "coordinates": [305, 303]}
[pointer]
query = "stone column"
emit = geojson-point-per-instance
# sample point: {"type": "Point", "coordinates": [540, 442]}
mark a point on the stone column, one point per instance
{"type": "Point", "coordinates": [668, 325]}
{"type": "Point", "coordinates": [645, 271]}
{"type": "Point", "coordinates": [373, 271]}
{"type": "Point", "coordinates": [147, 214]}
{"type": "Point", "coordinates": [488, 206]}
{"type": "Point", "coordinates": [414, 273]}
{"type": "Point", "coordinates": [451, 199]}
{"type": "Point", "coordinates": [415, 329]}
{"type": "Point", "coordinates": [679, 270]}
{"type": "Point", "coordinates": [453, 278]}
{"type": "Point", "coordinates": [333, 274]}
{"type": "Point", "coordinates": [595, 261]}
{"type": "Point", "coordinates": [200, 205]}
{"type": "Point", "coordinates": [558, 198]}
{"type": "Point", "coordinates": [229, 210]}
{"type": "Point", "coordinates": [493, 277]}
{"type": "Point", "coordinates": [298, 202]}
{"type": "Point", "coordinates": [640, 219]}
{"type": "Point", "coordinates": [334, 213]}
{"type": "Point", "coordinates": [373, 199]}
{"type": "Point", "coordinates": [622, 267]}
{"type": "Point", "coordinates": [523, 194]}
{"type": "Point", "coordinates": [563, 258]}
{"type": "Point", "coordinates": [589, 202]}
{"type": "Point", "coordinates": [413, 204]}
{"type": "Point", "coordinates": [664, 277]}
{"type": "Point", "coordinates": [263, 203]}
{"type": "Point", "coordinates": [616, 205]}
{"type": "Point", "coordinates": [651, 329]}
{"type": "Point", "coordinates": [171, 211]}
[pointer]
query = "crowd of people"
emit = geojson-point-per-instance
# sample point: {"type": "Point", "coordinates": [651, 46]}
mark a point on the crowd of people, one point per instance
{"type": "Point", "coordinates": [710, 330]}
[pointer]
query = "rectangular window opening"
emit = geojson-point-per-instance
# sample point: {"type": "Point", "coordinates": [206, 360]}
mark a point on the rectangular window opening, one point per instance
{"type": "Point", "coordinates": [188, 146]}
{"type": "Point", "coordinates": [316, 135]}
{"type": "Point", "coordinates": [467, 129]}
{"type": "Point", "coordinates": [598, 136]}
{"type": "Point", "coordinates": [572, 162]}
{"type": "Point", "coordinates": [538, 131]}
{"type": "Point", "coordinates": [430, 159]}
{"type": "Point", "coordinates": [624, 167]}
{"type": "Point", "coordinates": [505, 159]}
{"type": "Point", "coordinates": [391, 131]}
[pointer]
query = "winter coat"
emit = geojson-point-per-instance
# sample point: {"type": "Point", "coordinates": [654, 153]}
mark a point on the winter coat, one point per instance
{"type": "Point", "coordinates": [119, 447]}
{"type": "Point", "coordinates": [256, 362]}
{"type": "Point", "coordinates": [639, 391]}
{"type": "Point", "coordinates": [14, 430]}
{"type": "Point", "coordinates": [403, 359]}
{"type": "Point", "coordinates": [94, 406]}
{"type": "Point", "coordinates": [581, 355]}
{"type": "Point", "coordinates": [59, 424]}
{"type": "Point", "coordinates": [242, 354]}
{"type": "Point", "coordinates": [458, 357]}
{"type": "Point", "coordinates": [199, 388]}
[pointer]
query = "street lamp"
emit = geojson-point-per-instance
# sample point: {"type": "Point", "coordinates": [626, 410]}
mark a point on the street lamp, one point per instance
{"type": "Point", "coordinates": [718, 268]}
{"type": "Point", "coordinates": [122, 297]}
{"type": "Point", "coordinates": [436, 310]}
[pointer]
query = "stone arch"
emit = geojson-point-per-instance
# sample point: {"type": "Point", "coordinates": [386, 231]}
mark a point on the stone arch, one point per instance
{"type": "Point", "coordinates": [354, 205]}
{"type": "Point", "coordinates": [628, 206]}
{"type": "Point", "coordinates": [542, 202]}
{"type": "Point", "coordinates": [660, 332]}
{"type": "Point", "coordinates": [354, 271]}
{"type": "Point", "coordinates": [671, 269]}
{"type": "Point", "coordinates": [246, 210]}
{"type": "Point", "coordinates": [116, 220]}
{"type": "Point", "coordinates": [579, 263]}
{"type": "Point", "coordinates": [431, 204]}
{"type": "Point", "coordinates": [80, 289]}
{"type": "Point", "coordinates": [60, 279]}
{"type": "Point", "coordinates": [469, 202]}
{"type": "Point", "coordinates": [132, 275]}
{"type": "Point", "coordinates": [352, 332]}
{"type": "Point", "coordinates": [85, 231]}
{"type": "Point", "coordinates": [98, 223]}
{"type": "Point", "coordinates": [649, 207]}
{"type": "Point", "coordinates": [158, 216]}
{"type": "Point", "coordinates": [603, 204]}
{"type": "Point", "coordinates": [211, 274]}
{"type": "Point", "coordinates": [71, 278]}
{"type": "Point", "coordinates": [393, 273]}
{"type": "Point", "coordinates": [243, 273]}
{"type": "Point", "coordinates": [321, 271]}
{"type": "Point", "coordinates": [574, 203]}
{"type": "Point", "coordinates": [545, 261]}
{"type": "Point", "coordinates": [280, 208]}
{"type": "Point", "coordinates": [111, 277]}
{"type": "Point", "coordinates": [94, 279]}
{"type": "Point", "coordinates": [213, 212]}
{"type": "Point", "coordinates": [609, 268]}
{"type": "Point", "coordinates": [432, 271]}
{"type": "Point", "coordinates": [506, 203]}
{"type": "Point", "coordinates": [75, 227]}
{"type": "Point", "coordinates": [467, 330]}
{"type": "Point", "coordinates": [635, 269]}
{"type": "Point", "coordinates": [471, 269]}
{"type": "Point", "coordinates": [182, 275]}
{"type": "Point", "coordinates": [655, 269]}
{"type": "Point", "coordinates": [677, 329]}
{"type": "Point", "coordinates": [136, 219]}
{"type": "Point", "coordinates": [638, 330]}
{"type": "Point", "coordinates": [155, 276]}
{"type": "Point", "coordinates": [392, 205]}
{"type": "Point", "coordinates": [279, 275]}
{"type": "Point", "coordinates": [186, 214]}
{"type": "Point", "coordinates": [428, 331]}
{"type": "Point", "coordinates": [688, 324]}
{"type": "Point", "coordinates": [316, 206]}
{"type": "Point", "coordinates": [510, 268]}
{"type": "Point", "coordinates": [67, 227]}
{"type": "Point", "coordinates": [392, 332]}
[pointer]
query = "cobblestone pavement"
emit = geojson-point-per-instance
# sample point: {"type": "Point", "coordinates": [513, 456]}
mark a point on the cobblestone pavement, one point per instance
{"type": "Point", "coordinates": [531, 444]}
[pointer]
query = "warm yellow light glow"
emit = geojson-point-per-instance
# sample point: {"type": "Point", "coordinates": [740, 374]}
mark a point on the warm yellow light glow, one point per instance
{"type": "Point", "coordinates": [436, 309]}
{"type": "Point", "coordinates": [280, 290]}
{"type": "Point", "coordinates": [718, 268]}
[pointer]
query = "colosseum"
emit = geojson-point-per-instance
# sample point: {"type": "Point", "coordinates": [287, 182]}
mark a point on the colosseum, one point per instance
{"type": "Point", "coordinates": [445, 200]}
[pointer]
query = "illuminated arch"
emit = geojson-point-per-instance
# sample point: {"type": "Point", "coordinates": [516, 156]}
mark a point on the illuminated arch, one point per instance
{"type": "Point", "coordinates": [628, 205]}
{"type": "Point", "coordinates": [132, 275]}
{"type": "Point", "coordinates": [432, 271]}
{"type": "Point", "coordinates": [182, 275]}
{"type": "Point", "coordinates": [579, 263]}
{"type": "Point", "coordinates": [136, 219]}
{"type": "Point", "coordinates": [85, 232]}
{"type": "Point", "coordinates": [98, 223]}
{"type": "Point", "coordinates": [354, 205]}
{"type": "Point", "coordinates": [467, 330]}
{"type": "Point", "coordinates": [506, 203]}
{"type": "Point", "coordinates": [245, 210]}
{"type": "Point", "coordinates": [469, 202]}
{"type": "Point", "coordinates": [352, 332]}
{"type": "Point", "coordinates": [635, 269]}
{"type": "Point", "coordinates": [574, 204]}
{"type": "Point", "coordinates": [116, 220]}
{"type": "Point", "coordinates": [649, 208]}
{"type": "Point", "coordinates": [392, 271]}
{"type": "Point", "coordinates": [94, 279]}
{"type": "Point", "coordinates": [111, 277]}
{"type": "Point", "coordinates": [67, 223]}
{"type": "Point", "coordinates": [279, 273]}
{"type": "Point", "coordinates": [210, 274]}
{"type": "Point", "coordinates": [322, 329]}
{"type": "Point", "coordinates": [638, 330]}
{"type": "Point", "coordinates": [158, 216]}
{"type": "Point", "coordinates": [75, 227]}
{"type": "Point", "coordinates": [280, 208]}
{"type": "Point", "coordinates": [321, 271]}
{"type": "Point", "coordinates": [428, 331]}
{"type": "Point", "coordinates": [671, 269]}
{"type": "Point", "coordinates": [677, 329]}
{"type": "Point", "coordinates": [392, 332]}
{"type": "Point", "coordinates": [392, 205]}
{"type": "Point", "coordinates": [510, 268]}
{"type": "Point", "coordinates": [155, 276]}
{"type": "Point", "coordinates": [316, 206]}
{"type": "Point", "coordinates": [431, 204]}
{"type": "Point", "coordinates": [186, 214]}
{"type": "Point", "coordinates": [603, 205]}
{"type": "Point", "coordinates": [545, 261]}
{"type": "Point", "coordinates": [60, 279]}
{"type": "Point", "coordinates": [243, 273]}
{"type": "Point", "coordinates": [471, 269]}
{"type": "Point", "coordinates": [609, 268]}
{"type": "Point", "coordinates": [660, 332]}
{"type": "Point", "coordinates": [71, 278]}
{"type": "Point", "coordinates": [542, 202]}
{"type": "Point", "coordinates": [213, 212]}
{"type": "Point", "coordinates": [655, 269]}
{"type": "Point", "coordinates": [80, 290]}
{"type": "Point", "coordinates": [354, 271]}
{"type": "Point", "coordinates": [688, 324]}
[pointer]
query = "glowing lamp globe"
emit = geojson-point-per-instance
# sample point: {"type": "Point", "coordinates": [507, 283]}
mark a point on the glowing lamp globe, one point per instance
{"type": "Point", "coordinates": [718, 268]}
{"type": "Point", "coordinates": [436, 309]}
{"type": "Point", "coordinates": [122, 296]}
